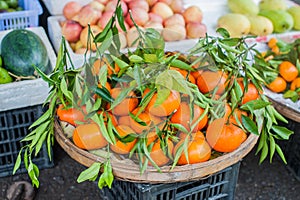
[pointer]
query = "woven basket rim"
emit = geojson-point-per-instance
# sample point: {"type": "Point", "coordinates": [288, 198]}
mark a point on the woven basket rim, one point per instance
{"type": "Point", "coordinates": [127, 170]}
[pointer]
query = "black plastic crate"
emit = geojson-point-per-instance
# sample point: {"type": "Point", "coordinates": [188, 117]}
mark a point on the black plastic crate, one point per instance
{"type": "Point", "coordinates": [291, 149]}
{"type": "Point", "coordinates": [14, 126]}
{"type": "Point", "coordinates": [220, 185]}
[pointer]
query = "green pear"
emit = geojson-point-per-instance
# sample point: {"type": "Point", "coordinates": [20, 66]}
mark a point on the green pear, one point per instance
{"type": "Point", "coordinates": [4, 76]}
{"type": "Point", "coordinates": [260, 25]}
{"type": "Point", "coordinates": [248, 7]}
{"type": "Point", "coordinates": [295, 12]}
{"type": "Point", "coordinates": [282, 21]}
{"type": "Point", "coordinates": [236, 24]}
{"type": "Point", "coordinates": [272, 5]}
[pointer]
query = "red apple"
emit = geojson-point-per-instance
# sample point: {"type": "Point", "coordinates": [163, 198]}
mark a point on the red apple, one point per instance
{"type": "Point", "coordinates": [139, 15]}
{"type": "Point", "coordinates": [111, 6]}
{"type": "Point", "coordinates": [151, 2]}
{"type": "Point", "coordinates": [104, 2]}
{"type": "Point", "coordinates": [84, 36]}
{"type": "Point", "coordinates": [139, 4]}
{"type": "Point", "coordinates": [106, 17]}
{"type": "Point", "coordinates": [131, 36]}
{"type": "Point", "coordinates": [166, 1]}
{"type": "Point", "coordinates": [174, 19]}
{"type": "Point", "coordinates": [177, 6]}
{"type": "Point", "coordinates": [155, 25]}
{"type": "Point", "coordinates": [174, 33]}
{"type": "Point", "coordinates": [97, 5]}
{"type": "Point", "coordinates": [71, 9]}
{"type": "Point", "coordinates": [195, 30]}
{"type": "Point", "coordinates": [88, 15]}
{"type": "Point", "coordinates": [193, 14]}
{"type": "Point", "coordinates": [162, 9]}
{"type": "Point", "coordinates": [155, 17]}
{"type": "Point", "coordinates": [71, 30]}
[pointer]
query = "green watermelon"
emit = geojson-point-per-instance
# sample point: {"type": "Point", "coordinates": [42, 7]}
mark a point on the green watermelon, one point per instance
{"type": "Point", "coordinates": [21, 49]}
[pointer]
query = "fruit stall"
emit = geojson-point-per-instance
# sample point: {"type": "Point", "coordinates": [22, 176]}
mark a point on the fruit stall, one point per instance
{"type": "Point", "coordinates": [155, 99]}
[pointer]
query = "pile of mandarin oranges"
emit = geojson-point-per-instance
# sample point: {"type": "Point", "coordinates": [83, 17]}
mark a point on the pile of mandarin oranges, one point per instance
{"type": "Point", "coordinates": [175, 125]}
{"type": "Point", "coordinates": [288, 73]}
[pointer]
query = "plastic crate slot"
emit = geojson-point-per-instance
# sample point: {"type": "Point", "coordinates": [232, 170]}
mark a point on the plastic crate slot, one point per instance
{"type": "Point", "coordinates": [3, 136]}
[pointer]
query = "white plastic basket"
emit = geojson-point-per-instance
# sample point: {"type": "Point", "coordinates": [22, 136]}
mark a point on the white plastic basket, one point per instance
{"type": "Point", "coordinates": [28, 92]}
{"type": "Point", "coordinates": [28, 17]}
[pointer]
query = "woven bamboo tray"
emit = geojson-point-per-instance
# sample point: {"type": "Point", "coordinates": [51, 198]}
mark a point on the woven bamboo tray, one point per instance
{"type": "Point", "coordinates": [127, 170]}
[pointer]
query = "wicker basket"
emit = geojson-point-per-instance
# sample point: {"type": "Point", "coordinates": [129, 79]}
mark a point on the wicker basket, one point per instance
{"type": "Point", "coordinates": [126, 169]}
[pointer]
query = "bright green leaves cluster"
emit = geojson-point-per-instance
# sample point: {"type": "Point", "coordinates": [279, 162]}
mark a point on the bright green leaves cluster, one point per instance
{"type": "Point", "coordinates": [42, 130]}
{"type": "Point", "coordinates": [92, 173]}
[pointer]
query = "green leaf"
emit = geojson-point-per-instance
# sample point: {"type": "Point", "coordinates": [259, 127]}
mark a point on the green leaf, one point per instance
{"type": "Point", "coordinates": [110, 127]}
{"type": "Point", "coordinates": [272, 147]}
{"type": "Point", "coordinates": [39, 131]}
{"type": "Point", "coordinates": [162, 94]}
{"type": "Point", "coordinates": [254, 105]}
{"type": "Point", "coordinates": [181, 65]}
{"type": "Point", "coordinates": [262, 141]}
{"type": "Point", "coordinates": [106, 43]}
{"type": "Point", "coordinates": [41, 119]}
{"type": "Point", "coordinates": [138, 75]}
{"type": "Point", "coordinates": [120, 17]}
{"type": "Point", "coordinates": [40, 143]}
{"type": "Point", "coordinates": [135, 59]}
{"type": "Point", "coordinates": [100, 37]}
{"type": "Point", "coordinates": [290, 94]}
{"type": "Point", "coordinates": [90, 173]}
{"type": "Point", "coordinates": [282, 132]}
{"type": "Point", "coordinates": [65, 91]}
{"type": "Point", "coordinates": [43, 75]}
{"type": "Point", "coordinates": [122, 64]}
{"type": "Point", "coordinates": [123, 94]}
{"type": "Point", "coordinates": [259, 119]}
{"type": "Point", "coordinates": [173, 80]}
{"type": "Point", "coordinates": [180, 127]}
{"type": "Point", "coordinates": [249, 125]}
{"type": "Point", "coordinates": [280, 153]}
{"type": "Point", "coordinates": [223, 32]}
{"type": "Point", "coordinates": [103, 93]}
{"type": "Point", "coordinates": [264, 152]}
{"type": "Point", "coordinates": [107, 177]}
{"type": "Point", "coordinates": [278, 116]}
{"type": "Point", "coordinates": [32, 172]}
{"type": "Point", "coordinates": [18, 162]}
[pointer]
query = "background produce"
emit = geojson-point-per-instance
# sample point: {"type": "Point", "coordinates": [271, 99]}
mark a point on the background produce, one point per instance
{"type": "Point", "coordinates": [170, 17]}
{"type": "Point", "coordinates": [9, 6]}
{"type": "Point", "coordinates": [21, 51]}
{"type": "Point", "coordinates": [260, 18]}
{"type": "Point", "coordinates": [284, 59]}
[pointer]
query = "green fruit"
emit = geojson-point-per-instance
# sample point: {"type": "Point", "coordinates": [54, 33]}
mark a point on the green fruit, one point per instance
{"type": "Point", "coordinates": [3, 5]}
{"type": "Point", "coordinates": [243, 7]}
{"type": "Point", "coordinates": [236, 24]}
{"type": "Point", "coordinates": [12, 3]}
{"type": "Point", "coordinates": [21, 49]}
{"type": "Point", "coordinates": [260, 25]}
{"type": "Point", "coordinates": [282, 21]}
{"type": "Point", "coordinates": [272, 5]}
{"type": "Point", "coordinates": [295, 12]}
{"type": "Point", "coordinates": [4, 76]}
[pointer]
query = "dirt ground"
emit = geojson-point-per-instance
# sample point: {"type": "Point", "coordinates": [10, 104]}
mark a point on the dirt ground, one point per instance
{"type": "Point", "coordinates": [266, 181]}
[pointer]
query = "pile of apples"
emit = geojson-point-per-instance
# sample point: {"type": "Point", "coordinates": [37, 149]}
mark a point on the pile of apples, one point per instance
{"type": "Point", "coordinates": [169, 17]}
